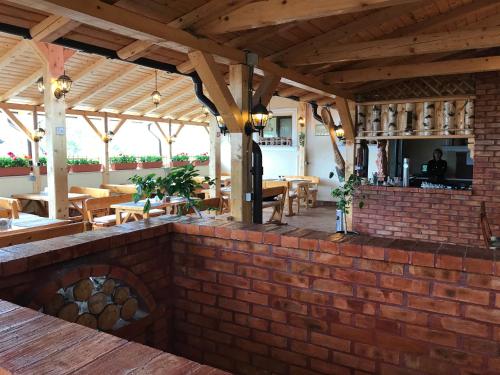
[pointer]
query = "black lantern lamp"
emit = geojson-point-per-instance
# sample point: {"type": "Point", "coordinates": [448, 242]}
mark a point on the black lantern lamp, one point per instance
{"type": "Point", "coordinates": [38, 134]}
{"type": "Point", "coordinates": [155, 95]}
{"type": "Point", "coordinates": [221, 124]}
{"type": "Point", "coordinates": [63, 86]}
{"type": "Point", "coordinates": [260, 117]}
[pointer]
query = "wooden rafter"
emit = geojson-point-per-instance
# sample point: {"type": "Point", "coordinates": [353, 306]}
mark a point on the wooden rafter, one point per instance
{"type": "Point", "coordinates": [92, 126]}
{"type": "Point", "coordinates": [52, 28]}
{"type": "Point", "coordinates": [137, 85]}
{"type": "Point", "coordinates": [214, 81]}
{"type": "Point", "coordinates": [136, 102]}
{"type": "Point", "coordinates": [273, 12]}
{"type": "Point", "coordinates": [90, 69]}
{"type": "Point", "coordinates": [128, 23]}
{"type": "Point", "coordinates": [119, 125]}
{"type": "Point", "coordinates": [77, 112]}
{"type": "Point", "coordinates": [100, 86]}
{"type": "Point", "coordinates": [22, 85]}
{"type": "Point", "coordinates": [172, 109]}
{"type": "Point", "coordinates": [403, 46]}
{"type": "Point", "coordinates": [135, 50]}
{"type": "Point", "coordinates": [345, 117]}
{"type": "Point", "coordinates": [448, 67]}
{"type": "Point", "coordinates": [266, 89]}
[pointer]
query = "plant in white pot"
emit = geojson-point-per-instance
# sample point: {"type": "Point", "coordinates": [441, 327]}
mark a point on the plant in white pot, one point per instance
{"type": "Point", "coordinates": [345, 195]}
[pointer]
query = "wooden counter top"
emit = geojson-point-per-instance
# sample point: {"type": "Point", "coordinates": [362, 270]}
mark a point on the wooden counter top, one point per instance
{"type": "Point", "coordinates": [34, 343]}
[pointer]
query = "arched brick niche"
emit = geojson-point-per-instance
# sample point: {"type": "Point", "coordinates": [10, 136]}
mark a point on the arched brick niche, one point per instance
{"type": "Point", "coordinates": [107, 298]}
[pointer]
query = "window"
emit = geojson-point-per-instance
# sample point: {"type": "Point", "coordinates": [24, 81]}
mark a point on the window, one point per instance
{"type": "Point", "coordinates": [278, 132]}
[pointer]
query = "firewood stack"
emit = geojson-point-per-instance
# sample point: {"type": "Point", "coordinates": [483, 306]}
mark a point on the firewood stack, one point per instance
{"type": "Point", "coordinates": [96, 302]}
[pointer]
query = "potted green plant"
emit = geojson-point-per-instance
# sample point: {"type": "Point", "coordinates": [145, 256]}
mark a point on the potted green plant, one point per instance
{"type": "Point", "coordinates": [79, 165]}
{"type": "Point", "coordinates": [122, 162]}
{"type": "Point", "coordinates": [180, 160]}
{"type": "Point", "coordinates": [14, 166]}
{"type": "Point", "coordinates": [181, 182]}
{"type": "Point", "coordinates": [42, 163]}
{"type": "Point", "coordinates": [151, 161]}
{"type": "Point", "coordinates": [202, 159]}
{"type": "Point", "coordinates": [345, 195]}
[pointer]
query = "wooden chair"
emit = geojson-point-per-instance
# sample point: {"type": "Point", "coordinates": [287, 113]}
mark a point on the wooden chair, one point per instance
{"type": "Point", "coordinates": [93, 192]}
{"type": "Point", "coordinates": [9, 208]}
{"type": "Point", "coordinates": [490, 241]}
{"type": "Point", "coordinates": [211, 204]}
{"type": "Point", "coordinates": [35, 234]}
{"type": "Point", "coordinates": [120, 189]}
{"type": "Point", "coordinates": [98, 212]}
{"type": "Point", "coordinates": [313, 187]}
{"type": "Point", "coordinates": [278, 204]}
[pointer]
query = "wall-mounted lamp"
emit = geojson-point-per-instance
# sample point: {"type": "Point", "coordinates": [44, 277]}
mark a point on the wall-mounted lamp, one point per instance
{"type": "Point", "coordinates": [260, 117]}
{"type": "Point", "coordinates": [221, 124]}
{"type": "Point", "coordinates": [302, 122]}
{"type": "Point", "coordinates": [108, 137]}
{"type": "Point", "coordinates": [339, 133]}
{"type": "Point", "coordinates": [38, 134]}
{"type": "Point", "coordinates": [63, 86]}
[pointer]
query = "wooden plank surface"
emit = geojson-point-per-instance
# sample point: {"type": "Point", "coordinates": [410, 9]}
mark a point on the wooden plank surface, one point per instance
{"type": "Point", "coordinates": [34, 343]}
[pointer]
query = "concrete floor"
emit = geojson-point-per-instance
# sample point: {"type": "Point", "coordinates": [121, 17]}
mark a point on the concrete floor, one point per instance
{"type": "Point", "coordinates": [321, 218]}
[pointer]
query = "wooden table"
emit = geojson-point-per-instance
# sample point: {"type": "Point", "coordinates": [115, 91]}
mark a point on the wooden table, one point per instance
{"type": "Point", "coordinates": [34, 343]}
{"type": "Point", "coordinates": [27, 223]}
{"type": "Point", "coordinates": [75, 200]}
{"type": "Point", "coordinates": [135, 210]}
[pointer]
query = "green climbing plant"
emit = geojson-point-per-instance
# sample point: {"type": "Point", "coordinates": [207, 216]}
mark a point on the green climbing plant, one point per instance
{"type": "Point", "coordinates": [345, 195]}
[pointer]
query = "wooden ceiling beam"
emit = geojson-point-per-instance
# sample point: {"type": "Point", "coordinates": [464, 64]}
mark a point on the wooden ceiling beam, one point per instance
{"type": "Point", "coordinates": [266, 89]}
{"type": "Point", "coordinates": [18, 123]}
{"type": "Point", "coordinates": [273, 12]}
{"type": "Point", "coordinates": [173, 109]}
{"type": "Point", "coordinates": [345, 117]}
{"type": "Point", "coordinates": [102, 85]}
{"type": "Point", "coordinates": [448, 67]}
{"type": "Point", "coordinates": [78, 112]}
{"type": "Point", "coordinates": [90, 69]}
{"type": "Point", "coordinates": [135, 50]}
{"type": "Point", "coordinates": [52, 28]}
{"type": "Point", "coordinates": [22, 85]}
{"type": "Point", "coordinates": [127, 107]}
{"type": "Point", "coordinates": [403, 46]}
{"type": "Point", "coordinates": [213, 79]}
{"type": "Point", "coordinates": [137, 85]}
{"type": "Point", "coordinates": [13, 53]}
{"type": "Point", "coordinates": [128, 23]}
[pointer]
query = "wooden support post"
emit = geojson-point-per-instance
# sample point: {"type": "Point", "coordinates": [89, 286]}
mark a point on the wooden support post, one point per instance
{"type": "Point", "coordinates": [37, 183]}
{"type": "Point", "coordinates": [214, 161]}
{"type": "Point", "coordinates": [302, 131]}
{"type": "Point", "coordinates": [105, 156]}
{"type": "Point", "coordinates": [241, 146]}
{"type": "Point", "coordinates": [55, 118]}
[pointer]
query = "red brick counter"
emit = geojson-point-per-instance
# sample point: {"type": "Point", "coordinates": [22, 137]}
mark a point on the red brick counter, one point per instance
{"type": "Point", "coordinates": [293, 301]}
{"type": "Point", "coordinates": [449, 216]}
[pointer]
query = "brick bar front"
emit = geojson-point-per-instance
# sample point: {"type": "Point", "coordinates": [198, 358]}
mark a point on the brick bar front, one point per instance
{"type": "Point", "coordinates": [270, 299]}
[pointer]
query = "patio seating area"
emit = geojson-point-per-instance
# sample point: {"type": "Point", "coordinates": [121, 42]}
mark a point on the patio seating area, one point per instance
{"type": "Point", "coordinates": [299, 187]}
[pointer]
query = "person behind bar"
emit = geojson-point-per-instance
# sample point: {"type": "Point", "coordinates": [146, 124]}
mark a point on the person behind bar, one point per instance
{"type": "Point", "coordinates": [436, 168]}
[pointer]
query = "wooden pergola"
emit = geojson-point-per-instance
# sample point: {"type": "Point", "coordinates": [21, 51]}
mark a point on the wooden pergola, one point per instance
{"type": "Point", "coordinates": [330, 52]}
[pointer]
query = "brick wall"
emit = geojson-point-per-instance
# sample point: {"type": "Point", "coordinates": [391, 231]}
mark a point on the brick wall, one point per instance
{"type": "Point", "coordinates": [430, 215]}
{"type": "Point", "coordinates": [139, 258]}
{"type": "Point", "coordinates": [299, 303]}
{"type": "Point", "coordinates": [446, 218]}
{"type": "Point", "coordinates": [274, 299]}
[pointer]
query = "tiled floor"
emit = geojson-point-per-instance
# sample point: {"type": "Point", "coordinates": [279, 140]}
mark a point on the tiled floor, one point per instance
{"type": "Point", "coordinates": [320, 218]}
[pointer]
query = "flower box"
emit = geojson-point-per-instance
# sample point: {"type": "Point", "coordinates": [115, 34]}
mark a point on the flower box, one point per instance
{"type": "Point", "coordinates": [15, 171]}
{"type": "Point", "coordinates": [79, 168]}
{"type": "Point", "coordinates": [198, 163]}
{"type": "Point", "coordinates": [123, 166]}
{"type": "Point", "coordinates": [150, 164]}
{"type": "Point", "coordinates": [43, 169]}
{"type": "Point", "coordinates": [178, 163]}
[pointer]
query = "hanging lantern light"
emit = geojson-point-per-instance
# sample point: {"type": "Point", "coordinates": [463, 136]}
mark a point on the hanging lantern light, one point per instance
{"type": "Point", "coordinates": [260, 117]}
{"type": "Point", "coordinates": [339, 133]}
{"type": "Point", "coordinates": [108, 137]}
{"type": "Point", "coordinates": [38, 134]}
{"type": "Point", "coordinates": [302, 122]}
{"type": "Point", "coordinates": [155, 95]}
{"type": "Point", "coordinates": [170, 139]}
{"type": "Point", "coordinates": [40, 85]}
{"type": "Point", "coordinates": [63, 86]}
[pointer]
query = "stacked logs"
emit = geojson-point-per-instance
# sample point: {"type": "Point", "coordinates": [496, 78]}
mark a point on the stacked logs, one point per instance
{"type": "Point", "coordinates": [95, 302]}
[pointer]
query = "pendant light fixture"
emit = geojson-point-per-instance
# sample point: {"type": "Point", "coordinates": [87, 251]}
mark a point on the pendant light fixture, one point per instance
{"type": "Point", "coordinates": [63, 86]}
{"type": "Point", "coordinates": [155, 95]}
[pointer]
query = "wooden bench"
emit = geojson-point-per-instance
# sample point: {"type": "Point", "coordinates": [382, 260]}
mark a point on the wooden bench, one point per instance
{"type": "Point", "coordinates": [37, 234]}
{"type": "Point", "coordinates": [278, 204]}
{"type": "Point", "coordinates": [120, 189]}
{"type": "Point", "coordinates": [9, 208]}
